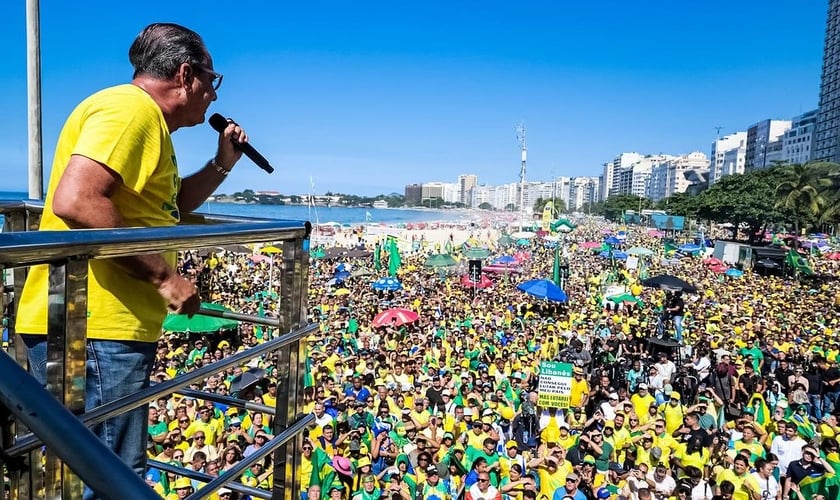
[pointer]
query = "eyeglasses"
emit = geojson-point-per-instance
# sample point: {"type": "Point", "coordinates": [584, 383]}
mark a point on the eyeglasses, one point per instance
{"type": "Point", "coordinates": [307, 448]}
{"type": "Point", "coordinates": [199, 437]}
{"type": "Point", "coordinates": [216, 78]}
{"type": "Point", "coordinates": [177, 457]}
{"type": "Point", "coordinates": [483, 480]}
{"type": "Point", "coordinates": [184, 421]}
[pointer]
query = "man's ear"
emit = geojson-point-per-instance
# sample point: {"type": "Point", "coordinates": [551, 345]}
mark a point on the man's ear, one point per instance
{"type": "Point", "coordinates": [185, 76]}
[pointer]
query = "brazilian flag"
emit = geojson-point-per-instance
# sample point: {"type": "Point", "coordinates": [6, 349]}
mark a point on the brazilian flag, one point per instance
{"type": "Point", "coordinates": [825, 484]}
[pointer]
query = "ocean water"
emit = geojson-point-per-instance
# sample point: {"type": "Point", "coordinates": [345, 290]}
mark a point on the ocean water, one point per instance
{"type": "Point", "coordinates": [322, 215]}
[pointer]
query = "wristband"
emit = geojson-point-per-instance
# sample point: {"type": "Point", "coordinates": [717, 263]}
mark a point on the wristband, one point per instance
{"type": "Point", "coordinates": [218, 168]}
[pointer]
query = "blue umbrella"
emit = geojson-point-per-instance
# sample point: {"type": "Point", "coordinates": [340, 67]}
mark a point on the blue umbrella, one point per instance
{"type": "Point", "coordinates": [388, 283]}
{"type": "Point", "coordinates": [506, 259]}
{"type": "Point", "coordinates": [544, 289]}
{"type": "Point", "coordinates": [340, 276]}
{"type": "Point", "coordinates": [612, 240]}
{"type": "Point", "coordinates": [690, 248]}
{"type": "Point", "coordinates": [615, 255]}
{"type": "Point", "coordinates": [735, 273]}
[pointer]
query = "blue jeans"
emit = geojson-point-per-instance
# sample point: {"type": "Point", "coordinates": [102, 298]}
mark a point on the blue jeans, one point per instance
{"type": "Point", "coordinates": [830, 402]}
{"type": "Point", "coordinates": [816, 406]}
{"type": "Point", "coordinates": [678, 320]}
{"type": "Point", "coordinates": [114, 369]}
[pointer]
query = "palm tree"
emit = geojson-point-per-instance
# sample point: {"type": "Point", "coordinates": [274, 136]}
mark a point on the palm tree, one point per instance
{"type": "Point", "coordinates": [800, 188]}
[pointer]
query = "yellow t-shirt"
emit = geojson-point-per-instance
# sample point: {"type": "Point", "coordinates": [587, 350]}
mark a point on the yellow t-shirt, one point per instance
{"type": "Point", "coordinates": [741, 483]}
{"type": "Point", "coordinates": [123, 128]}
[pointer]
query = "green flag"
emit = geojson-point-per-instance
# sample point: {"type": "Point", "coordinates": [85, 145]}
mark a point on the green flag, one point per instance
{"type": "Point", "coordinates": [826, 484]}
{"type": "Point", "coordinates": [377, 256]}
{"type": "Point", "coordinates": [394, 260]}
{"type": "Point", "coordinates": [555, 272]}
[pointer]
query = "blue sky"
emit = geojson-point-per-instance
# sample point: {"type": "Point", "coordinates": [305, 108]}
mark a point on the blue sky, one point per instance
{"type": "Point", "coordinates": [365, 97]}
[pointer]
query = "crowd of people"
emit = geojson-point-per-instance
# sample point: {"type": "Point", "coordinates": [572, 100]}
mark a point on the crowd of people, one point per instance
{"type": "Point", "coordinates": [743, 406]}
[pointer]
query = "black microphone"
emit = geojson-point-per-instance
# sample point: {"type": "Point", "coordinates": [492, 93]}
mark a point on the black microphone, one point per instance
{"type": "Point", "coordinates": [220, 123]}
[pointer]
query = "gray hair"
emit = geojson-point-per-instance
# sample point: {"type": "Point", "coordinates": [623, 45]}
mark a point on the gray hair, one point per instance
{"type": "Point", "coordinates": [161, 48]}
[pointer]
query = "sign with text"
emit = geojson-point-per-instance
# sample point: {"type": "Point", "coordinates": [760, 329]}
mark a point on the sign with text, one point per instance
{"type": "Point", "coordinates": [555, 386]}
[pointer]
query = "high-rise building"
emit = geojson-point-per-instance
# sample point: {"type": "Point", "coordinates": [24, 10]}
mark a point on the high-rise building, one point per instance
{"type": "Point", "coordinates": [759, 142]}
{"type": "Point", "coordinates": [606, 181]}
{"type": "Point", "coordinates": [826, 140]}
{"type": "Point", "coordinates": [621, 164]}
{"type": "Point", "coordinates": [796, 143]}
{"type": "Point", "coordinates": [466, 183]}
{"type": "Point", "coordinates": [413, 194]}
{"type": "Point", "coordinates": [720, 148]}
{"type": "Point", "coordinates": [675, 174]}
{"type": "Point", "coordinates": [583, 191]}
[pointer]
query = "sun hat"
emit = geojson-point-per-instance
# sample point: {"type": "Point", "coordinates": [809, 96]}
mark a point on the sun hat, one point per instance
{"type": "Point", "coordinates": [342, 465]}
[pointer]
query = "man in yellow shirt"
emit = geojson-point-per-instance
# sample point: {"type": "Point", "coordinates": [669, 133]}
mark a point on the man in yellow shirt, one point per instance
{"type": "Point", "coordinates": [641, 403]}
{"type": "Point", "coordinates": [580, 389]}
{"type": "Point", "coordinates": [115, 166]}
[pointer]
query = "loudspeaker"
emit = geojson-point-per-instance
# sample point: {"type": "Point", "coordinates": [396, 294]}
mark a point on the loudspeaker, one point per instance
{"type": "Point", "coordinates": [474, 270]}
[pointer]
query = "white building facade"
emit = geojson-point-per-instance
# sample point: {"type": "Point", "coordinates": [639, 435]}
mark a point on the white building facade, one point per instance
{"type": "Point", "coordinates": [797, 142]}
{"type": "Point", "coordinates": [720, 148]}
{"type": "Point", "coordinates": [759, 143]}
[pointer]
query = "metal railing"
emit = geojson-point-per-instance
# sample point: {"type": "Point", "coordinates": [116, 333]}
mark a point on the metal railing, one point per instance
{"type": "Point", "coordinates": [32, 415]}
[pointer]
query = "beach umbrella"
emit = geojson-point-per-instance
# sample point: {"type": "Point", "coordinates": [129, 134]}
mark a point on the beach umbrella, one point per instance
{"type": "Point", "coordinates": [341, 276]}
{"type": "Point", "coordinates": [590, 244]}
{"type": "Point", "coordinates": [505, 260]}
{"type": "Point", "coordinates": [640, 251]}
{"type": "Point", "coordinates": [543, 289]}
{"type": "Point", "coordinates": [270, 250]}
{"type": "Point", "coordinates": [734, 273]}
{"type": "Point", "coordinates": [667, 281]}
{"type": "Point", "coordinates": [199, 323]}
{"type": "Point", "coordinates": [484, 282]}
{"type": "Point", "coordinates": [502, 269]}
{"type": "Point", "coordinates": [614, 255]}
{"type": "Point", "coordinates": [387, 283]}
{"type": "Point", "coordinates": [257, 258]}
{"type": "Point", "coordinates": [718, 269]}
{"type": "Point", "coordinates": [833, 256]}
{"type": "Point", "coordinates": [477, 253]}
{"type": "Point", "coordinates": [505, 241]}
{"type": "Point", "coordinates": [612, 240]}
{"type": "Point", "coordinates": [318, 253]}
{"type": "Point", "coordinates": [523, 242]}
{"type": "Point", "coordinates": [439, 260]}
{"type": "Point", "coordinates": [395, 317]}
{"type": "Point", "coordinates": [714, 261]}
{"type": "Point", "coordinates": [341, 291]}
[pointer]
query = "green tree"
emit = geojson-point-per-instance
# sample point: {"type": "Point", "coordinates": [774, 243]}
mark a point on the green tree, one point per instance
{"type": "Point", "coordinates": [747, 198]}
{"type": "Point", "coordinates": [680, 204]}
{"type": "Point", "coordinates": [799, 191]}
{"type": "Point", "coordinates": [510, 207]}
{"type": "Point", "coordinates": [485, 206]}
{"type": "Point", "coordinates": [615, 206]}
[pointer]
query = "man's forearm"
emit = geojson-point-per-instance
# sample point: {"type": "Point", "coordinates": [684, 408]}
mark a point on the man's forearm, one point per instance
{"type": "Point", "coordinates": [196, 188]}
